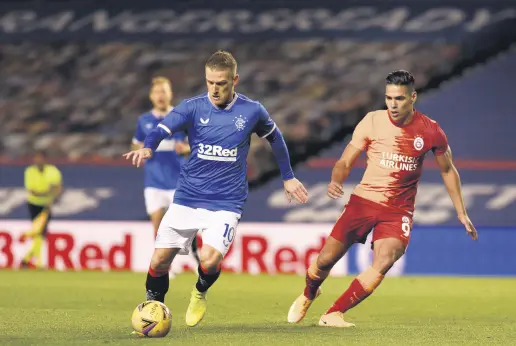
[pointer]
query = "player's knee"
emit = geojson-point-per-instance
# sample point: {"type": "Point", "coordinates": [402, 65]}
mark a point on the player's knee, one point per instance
{"type": "Point", "coordinates": [326, 261]}
{"type": "Point", "coordinates": [383, 263]}
{"type": "Point", "coordinates": [211, 265]}
{"type": "Point", "coordinates": [162, 259]}
{"type": "Point", "coordinates": [385, 259]}
{"type": "Point", "coordinates": [159, 264]}
{"type": "Point", "coordinates": [210, 260]}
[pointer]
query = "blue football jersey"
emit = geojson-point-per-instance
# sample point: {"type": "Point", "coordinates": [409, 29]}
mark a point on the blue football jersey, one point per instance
{"type": "Point", "coordinates": [162, 170]}
{"type": "Point", "coordinates": [215, 175]}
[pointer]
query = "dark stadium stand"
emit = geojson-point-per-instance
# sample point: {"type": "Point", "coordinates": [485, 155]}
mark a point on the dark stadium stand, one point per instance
{"type": "Point", "coordinates": [81, 99]}
{"type": "Point", "coordinates": [74, 82]}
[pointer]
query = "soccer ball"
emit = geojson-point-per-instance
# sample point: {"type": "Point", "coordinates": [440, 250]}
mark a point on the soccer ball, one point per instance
{"type": "Point", "coordinates": [152, 318]}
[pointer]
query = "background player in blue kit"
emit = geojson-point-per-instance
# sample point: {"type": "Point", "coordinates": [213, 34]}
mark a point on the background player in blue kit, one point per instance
{"type": "Point", "coordinates": [212, 187]}
{"type": "Point", "coordinates": [162, 170]}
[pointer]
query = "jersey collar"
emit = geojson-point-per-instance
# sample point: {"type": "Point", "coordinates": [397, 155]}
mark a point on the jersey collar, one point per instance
{"type": "Point", "coordinates": [416, 113]}
{"type": "Point", "coordinates": [228, 107]}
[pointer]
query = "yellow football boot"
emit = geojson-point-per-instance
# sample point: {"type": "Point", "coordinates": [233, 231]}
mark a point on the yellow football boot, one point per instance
{"type": "Point", "coordinates": [196, 309]}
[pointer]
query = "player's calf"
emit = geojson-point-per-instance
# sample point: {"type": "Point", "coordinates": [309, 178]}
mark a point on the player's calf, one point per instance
{"type": "Point", "coordinates": [386, 252]}
{"type": "Point", "coordinates": [314, 278]}
{"type": "Point", "coordinates": [361, 288]}
{"type": "Point", "coordinates": [331, 253]}
{"type": "Point", "coordinates": [157, 282]}
{"type": "Point", "coordinates": [209, 269]}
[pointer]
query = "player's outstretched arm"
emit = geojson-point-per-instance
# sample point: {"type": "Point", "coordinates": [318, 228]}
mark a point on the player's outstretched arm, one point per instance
{"type": "Point", "coordinates": [341, 171]}
{"type": "Point", "coordinates": [138, 156]}
{"type": "Point", "coordinates": [451, 180]}
{"type": "Point", "coordinates": [149, 146]}
{"type": "Point", "coordinates": [139, 136]}
{"type": "Point", "coordinates": [293, 187]}
{"type": "Point", "coordinates": [174, 121]}
{"type": "Point", "coordinates": [136, 146]}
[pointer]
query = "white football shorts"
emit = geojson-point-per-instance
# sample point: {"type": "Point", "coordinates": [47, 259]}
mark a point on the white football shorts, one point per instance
{"type": "Point", "coordinates": [156, 199]}
{"type": "Point", "coordinates": [181, 224]}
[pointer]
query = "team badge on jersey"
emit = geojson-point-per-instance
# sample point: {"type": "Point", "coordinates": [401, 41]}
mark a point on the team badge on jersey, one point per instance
{"type": "Point", "coordinates": [240, 122]}
{"type": "Point", "coordinates": [418, 143]}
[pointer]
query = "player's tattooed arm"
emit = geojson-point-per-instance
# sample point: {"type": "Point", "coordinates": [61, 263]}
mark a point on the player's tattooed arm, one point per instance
{"type": "Point", "coordinates": [452, 182]}
{"type": "Point", "coordinates": [341, 171]}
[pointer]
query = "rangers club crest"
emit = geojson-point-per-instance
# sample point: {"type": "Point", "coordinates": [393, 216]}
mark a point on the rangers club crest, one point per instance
{"type": "Point", "coordinates": [240, 122]}
{"type": "Point", "coordinates": [418, 143]}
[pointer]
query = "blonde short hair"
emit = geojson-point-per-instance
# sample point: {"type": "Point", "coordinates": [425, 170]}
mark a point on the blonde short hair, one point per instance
{"type": "Point", "coordinates": [222, 60]}
{"type": "Point", "coordinates": [161, 80]}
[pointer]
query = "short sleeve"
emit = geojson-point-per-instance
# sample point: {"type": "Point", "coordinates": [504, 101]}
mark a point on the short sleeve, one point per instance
{"type": "Point", "coordinates": [265, 125]}
{"type": "Point", "coordinates": [139, 135]}
{"type": "Point", "coordinates": [440, 142]}
{"type": "Point", "coordinates": [178, 119]}
{"type": "Point", "coordinates": [55, 176]}
{"type": "Point", "coordinates": [362, 134]}
{"type": "Point", "coordinates": [27, 179]}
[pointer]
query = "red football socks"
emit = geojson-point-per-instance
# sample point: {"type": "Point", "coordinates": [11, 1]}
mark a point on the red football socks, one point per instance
{"type": "Point", "coordinates": [314, 279]}
{"type": "Point", "coordinates": [361, 287]}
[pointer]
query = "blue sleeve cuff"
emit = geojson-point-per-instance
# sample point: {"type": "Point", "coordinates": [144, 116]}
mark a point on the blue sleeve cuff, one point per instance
{"type": "Point", "coordinates": [280, 150]}
{"type": "Point", "coordinates": [155, 137]}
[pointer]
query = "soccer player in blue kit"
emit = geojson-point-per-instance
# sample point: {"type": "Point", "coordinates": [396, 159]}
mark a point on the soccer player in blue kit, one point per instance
{"type": "Point", "coordinates": [212, 187]}
{"type": "Point", "coordinates": [162, 170]}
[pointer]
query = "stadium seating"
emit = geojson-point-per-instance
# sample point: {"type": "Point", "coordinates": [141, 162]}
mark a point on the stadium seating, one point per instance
{"type": "Point", "coordinates": [81, 100]}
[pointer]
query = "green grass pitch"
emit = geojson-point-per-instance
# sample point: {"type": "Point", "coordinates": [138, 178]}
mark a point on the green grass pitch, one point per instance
{"type": "Point", "coordinates": [76, 308]}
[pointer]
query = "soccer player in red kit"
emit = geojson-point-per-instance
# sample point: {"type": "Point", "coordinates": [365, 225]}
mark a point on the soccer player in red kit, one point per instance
{"type": "Point", "coordinates": [396, 141]}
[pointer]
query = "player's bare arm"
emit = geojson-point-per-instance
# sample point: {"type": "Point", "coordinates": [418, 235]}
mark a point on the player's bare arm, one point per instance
{"type": "Point", "coordinates": [138, 156]}
{"type": "Point", "coordinates": [451, 180]}
{"type": "Point", "coordinates": [39, 194]}
{"type": "Point", "coordinates": [183, 148]}
{"type": "Point", "coordinates": [294, 188]}
{"type": "Point", "coordinates": [150, 144]}
{"type": "Point", "coordinates": [56, 191]}
{"type": "Point", "coordinates": [136, 146]}
{"type": "Point", "coordinates": [341, 171]}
